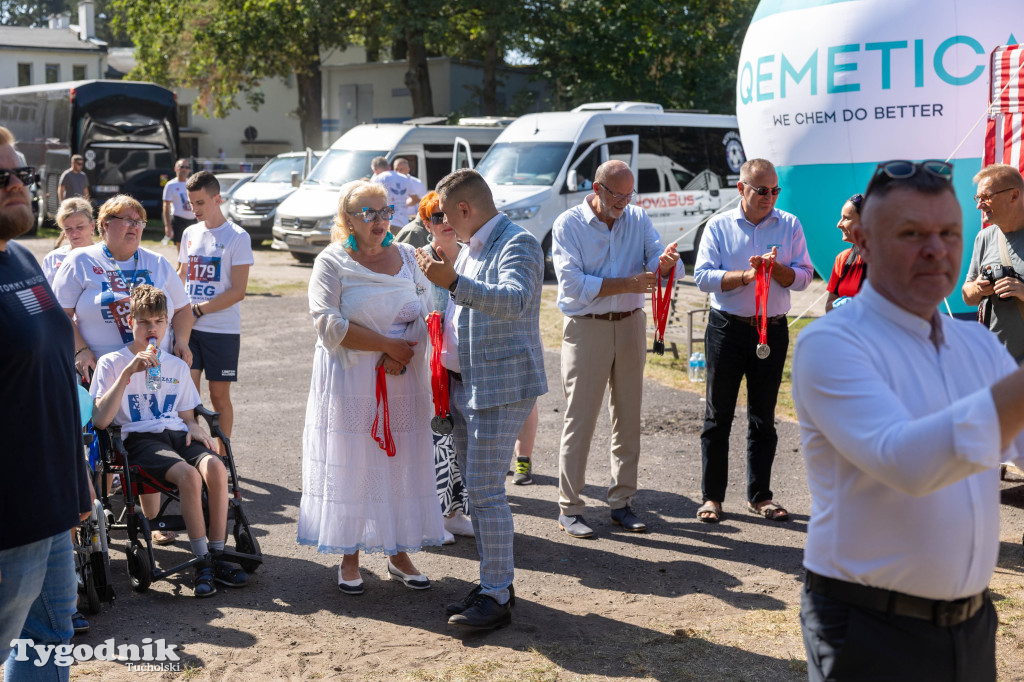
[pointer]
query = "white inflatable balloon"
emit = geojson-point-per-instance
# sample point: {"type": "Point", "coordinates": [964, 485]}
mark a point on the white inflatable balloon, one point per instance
{"type": "Point", "coordinates": [828, 88]}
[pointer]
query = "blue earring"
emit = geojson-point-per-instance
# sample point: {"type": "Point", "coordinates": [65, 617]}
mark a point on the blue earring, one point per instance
{"type": "Point", "coordinates": [388, 238]}
{"type": "Point", "coordinates": [350, 243]}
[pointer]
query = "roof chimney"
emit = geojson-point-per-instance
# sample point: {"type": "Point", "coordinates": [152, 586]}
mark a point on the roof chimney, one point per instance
{"type": "Point", "coordinates": [59, 21]}
{"type": "Point", "coordinates": [86, 20]}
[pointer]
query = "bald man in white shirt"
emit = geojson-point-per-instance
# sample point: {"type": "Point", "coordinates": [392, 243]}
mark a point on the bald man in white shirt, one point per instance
{"type": "Point", "coordinates": [906, 415]}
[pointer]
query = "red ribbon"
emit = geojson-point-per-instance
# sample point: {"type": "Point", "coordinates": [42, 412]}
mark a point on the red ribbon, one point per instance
{"type": "Point", "coordinates": [763, 281]}
{"type": "Point", "coordinates": [438, 374]}
{"type": "Point", "coordinates": [387, 443]}
{"type": "Point", "coordinates": [660, 302]}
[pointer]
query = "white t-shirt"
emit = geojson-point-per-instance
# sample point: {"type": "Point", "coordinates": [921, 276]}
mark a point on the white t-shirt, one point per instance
{"type": "Point", "coordinates": [52, 261]}
{"type": "Point", "coordinates": [398, 186]}
{"type": "Point", "coordinates": [419, 189]}
{"type": "Point", "coordinates": [181, 207]}
{"type": "Point", "coordinates": [97, 288]}
{"type": "Point", "coordinates": [210, 255]}
{"type": "Point", "coordinates": [142, 411]}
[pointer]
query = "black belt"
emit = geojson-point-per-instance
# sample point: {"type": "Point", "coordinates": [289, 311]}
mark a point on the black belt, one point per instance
{"type": "Point", "coordinates": [612, 317]}
{"type": "Point", "coordinates": [942, 613]}
{"type": "Point", "coordinates": [752, 321]}
{"type": "Point", "coordinates": [455, 375]}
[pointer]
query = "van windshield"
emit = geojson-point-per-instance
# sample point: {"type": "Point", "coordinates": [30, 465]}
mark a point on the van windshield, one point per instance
{"type": "Point", "coordinates": [279, 169]}
{"type": "Point", "coordinates": [343, 165]}
{"type": "Point", "coordinates": [524, 163]}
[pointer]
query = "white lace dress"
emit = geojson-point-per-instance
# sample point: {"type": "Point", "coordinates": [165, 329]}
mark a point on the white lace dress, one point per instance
{"type": "Point", "coordinates": [355, 497]}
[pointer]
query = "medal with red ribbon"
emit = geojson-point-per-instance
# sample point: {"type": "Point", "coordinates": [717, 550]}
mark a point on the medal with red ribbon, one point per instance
{"type": "Point", "coordinates": [386, 442]}
{"type": "Point", "coordinates": [661, 300]}
{"type": "Point", "coordinates": [441, 423]}
{"type": "Point", "coordinates": [763, 281]}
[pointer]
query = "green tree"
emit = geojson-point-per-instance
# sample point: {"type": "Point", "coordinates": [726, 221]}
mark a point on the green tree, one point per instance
{"type": "Point", "coordinates": [31, 14]}
{"type": "Point", "coordinates": [679, 53]}
{"type": "Point", "coordinates": [225, 48]}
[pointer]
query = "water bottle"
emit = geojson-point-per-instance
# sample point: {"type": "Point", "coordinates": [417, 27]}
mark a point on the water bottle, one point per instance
{"type": "Point", "coordinates": [841, 301]}
{"type": "Point", "coordinates": [691, 372]}
{"type": "Point", "coordinates": [702, 368]}
{"type": "Point", "coordinates": [153, 373]}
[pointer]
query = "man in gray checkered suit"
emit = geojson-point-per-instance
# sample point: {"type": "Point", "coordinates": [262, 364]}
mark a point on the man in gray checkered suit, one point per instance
{"type": "Point", "coordinates": [493, 354]}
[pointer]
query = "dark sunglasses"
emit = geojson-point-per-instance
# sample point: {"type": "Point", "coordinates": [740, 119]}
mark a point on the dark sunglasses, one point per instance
{"type": "Point", "coordinates": [27, 175]}
{"type": "Point", "coordinates": [763, 191]}
{"type": "Point", "coordinates": [437, 218]}
{"type": "Point", "coordinates": [901, 170]}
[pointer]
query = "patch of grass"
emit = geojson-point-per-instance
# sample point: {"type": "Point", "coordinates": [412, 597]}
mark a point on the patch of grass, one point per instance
{"type": "Point", "coordinates": [668, 370]}
{"type": "Point", "coordinates": [257, 286]}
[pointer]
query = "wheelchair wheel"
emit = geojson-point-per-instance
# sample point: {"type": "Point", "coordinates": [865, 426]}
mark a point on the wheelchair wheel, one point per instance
{"type": "Point", "coordinates": [245, 543]}
{"type": "Point", "coordinates": [91, 594]}
{"type": "Point", "coordinates": [139, 573]}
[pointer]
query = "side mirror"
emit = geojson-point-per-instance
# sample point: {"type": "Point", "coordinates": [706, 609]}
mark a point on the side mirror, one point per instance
{"type": "Point", "coordinates": [296, 178]}
{"type": "Point", "coordinates": [713, 192]}
{"type": "Point", "coordinates": [572, 181]}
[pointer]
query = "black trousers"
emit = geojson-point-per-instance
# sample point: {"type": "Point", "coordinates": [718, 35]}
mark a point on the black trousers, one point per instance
{"type": "Point", "coordinates": [846, 642]}
{"type": "Point", "coordinates": [730, 348]}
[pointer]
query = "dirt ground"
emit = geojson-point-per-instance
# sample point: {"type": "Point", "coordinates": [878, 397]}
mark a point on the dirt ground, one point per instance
{"type": "Point", "coordinates": [685, 601]}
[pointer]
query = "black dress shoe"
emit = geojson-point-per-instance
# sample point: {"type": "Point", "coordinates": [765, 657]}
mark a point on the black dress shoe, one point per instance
{"type": "Point", "coordinates": [467, 601]}
{"type": "Point", "coordinates": [483, 614]}
{"type": "Point", "coordinates": [627, 519]}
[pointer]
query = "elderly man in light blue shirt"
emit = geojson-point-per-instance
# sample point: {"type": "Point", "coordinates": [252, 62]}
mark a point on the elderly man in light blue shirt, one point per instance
{"type": "Point", "coordinates": [606, 253]}
{"type": "Point", "coordinates": [734, 246]}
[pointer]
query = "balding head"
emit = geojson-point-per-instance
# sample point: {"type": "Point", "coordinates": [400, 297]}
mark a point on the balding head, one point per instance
{"type": "Point", "coordinates": [613, 190]}
{"type": "Point", "coordinates": [609, 171]}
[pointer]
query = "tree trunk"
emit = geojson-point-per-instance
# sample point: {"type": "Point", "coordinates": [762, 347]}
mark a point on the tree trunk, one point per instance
{"type": "Point", "coordinates": [417, 77]}
{"type": "Point", "coordinates": [310, 86]}
{"type": "Point", "coordinates": [489, 93]}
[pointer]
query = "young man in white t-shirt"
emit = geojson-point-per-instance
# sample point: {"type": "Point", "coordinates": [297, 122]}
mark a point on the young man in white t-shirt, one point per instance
{"type": "Point", "coordinates": [161, 434]}
{"type": "Point", "coordinates": [213, 263]}
{"type": "Point", "coordinates": [177, 213]}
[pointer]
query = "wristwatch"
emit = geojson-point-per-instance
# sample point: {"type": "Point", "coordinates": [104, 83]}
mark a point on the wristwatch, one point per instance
{"type": "Point", "coordinates": [452, 286]}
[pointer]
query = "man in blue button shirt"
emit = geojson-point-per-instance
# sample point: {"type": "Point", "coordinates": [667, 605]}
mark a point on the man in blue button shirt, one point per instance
{"type": "Point", "coordinates": [605, 252]}
{"type": "Point", "coordinates": [732, 249]}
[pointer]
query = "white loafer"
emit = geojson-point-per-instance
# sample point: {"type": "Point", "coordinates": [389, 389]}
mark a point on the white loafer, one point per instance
{"type": "Point", "coordinates": [413, 582]}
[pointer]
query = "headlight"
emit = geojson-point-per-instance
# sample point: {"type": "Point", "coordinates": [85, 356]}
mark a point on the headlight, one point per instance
{"type": "Point", "coordinates": [277, 220]}
{"type": "Point", "coordinates": [521, 213]}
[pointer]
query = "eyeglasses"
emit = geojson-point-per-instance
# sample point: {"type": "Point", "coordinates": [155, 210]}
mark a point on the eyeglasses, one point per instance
{"type": "Point", "coordinates": [616, 198]}
{"type": "Point", "coordinates": [763, 191]}
{"type": "Point", "coordinates": [985, 198]}
{"type": "Point", "coordinates": [437, 218]}
{"type": "Point", "coordinates": [141, 224]}
{"type": "Point", "coordinates": [27, 175]}
{"type": "Point", "coordinates": [369, 214]}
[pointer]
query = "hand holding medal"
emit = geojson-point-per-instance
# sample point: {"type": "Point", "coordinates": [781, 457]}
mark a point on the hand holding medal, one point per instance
{"type": "Point", "coordinates": [441, 423]}
{"type": "Point", "coordinates": [762, 281]}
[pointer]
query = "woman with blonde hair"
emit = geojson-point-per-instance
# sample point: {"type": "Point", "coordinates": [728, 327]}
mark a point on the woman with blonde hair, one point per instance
{"type": "Point", "coordinates": [74, 218]}
{"type": "Point", "coordinates": [367, 457]}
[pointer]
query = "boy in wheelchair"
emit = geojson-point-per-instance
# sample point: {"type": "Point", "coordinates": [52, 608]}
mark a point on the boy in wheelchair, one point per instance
{"type": "Point", "coordinates": [161, 434]}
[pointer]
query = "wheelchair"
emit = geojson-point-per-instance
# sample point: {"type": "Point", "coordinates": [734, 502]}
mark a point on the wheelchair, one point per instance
{"type": "Point", "coordinates": [142, 564]}
{"type": "Point", "coordinates": [92, 558]}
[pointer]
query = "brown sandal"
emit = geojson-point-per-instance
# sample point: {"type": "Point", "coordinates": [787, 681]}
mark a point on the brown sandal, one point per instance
{"type": "Point", "coordinates": [713, 509]}
{"type": "Point", "coordinates": [769, 510]}
{"type": "Point", "coordinates": [163, 537]}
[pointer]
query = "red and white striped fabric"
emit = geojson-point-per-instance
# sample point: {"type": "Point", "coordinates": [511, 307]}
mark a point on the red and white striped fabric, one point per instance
{"type": "Point", "coordinates": [1003, 143]}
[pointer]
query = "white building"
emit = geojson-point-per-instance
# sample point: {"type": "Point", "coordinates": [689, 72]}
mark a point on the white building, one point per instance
{"type": "Point", "coordinates": [62, 52]}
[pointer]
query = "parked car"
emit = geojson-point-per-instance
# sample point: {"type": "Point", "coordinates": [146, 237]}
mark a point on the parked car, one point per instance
{"type": "Point", "coordinates": [253, 206]}
{"type": "Point", "coordinates": [229, 182]}
{"type": "Point", "coordinates": [303, 223]}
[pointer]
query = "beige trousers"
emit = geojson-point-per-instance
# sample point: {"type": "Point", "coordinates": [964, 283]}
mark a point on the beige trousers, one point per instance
{"type": "Point", "coordinates": [595, 354]}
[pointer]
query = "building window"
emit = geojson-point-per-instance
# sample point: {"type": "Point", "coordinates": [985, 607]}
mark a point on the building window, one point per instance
{"type": "Point", "coordinates": [53, 73]}
{"type": "Point", "coordinates": [24, 75]}
{"type": "Point", "coordinates": [184, 115]}
{"type": "Point", "coordinates": [78, 72]}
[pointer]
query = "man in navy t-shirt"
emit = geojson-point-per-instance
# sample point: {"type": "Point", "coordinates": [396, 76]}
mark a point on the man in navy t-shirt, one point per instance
{"type": "Point", "coordinates": [45, 488]}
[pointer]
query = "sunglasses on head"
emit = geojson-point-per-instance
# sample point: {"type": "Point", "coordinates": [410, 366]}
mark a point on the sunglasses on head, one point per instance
{"type": "Point", "coordinates": [763, 191]}
{"type": "Point", "coordinates": [27, 175]}
{"type": "Point", "coordinates": [437, 218]}
{"type": "Point", "coordinates": [901, 170]}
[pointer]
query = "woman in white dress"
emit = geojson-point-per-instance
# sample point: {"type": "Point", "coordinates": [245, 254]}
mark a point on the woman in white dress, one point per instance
{"type": "Point", "coordinates": [368, 300]}
{"type": "Point", "coordinates": [74, 218]}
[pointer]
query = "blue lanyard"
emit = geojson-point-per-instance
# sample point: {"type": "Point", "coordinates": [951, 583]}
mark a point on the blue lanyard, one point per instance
{"type": "Point", "coordinates": [129, 282]}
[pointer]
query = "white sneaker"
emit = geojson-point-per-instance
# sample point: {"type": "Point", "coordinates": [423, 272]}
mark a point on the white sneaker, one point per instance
{"type": "Point", "coordinates": [459, 525]}
{"type": "Point", "coordinates": [449, 539]}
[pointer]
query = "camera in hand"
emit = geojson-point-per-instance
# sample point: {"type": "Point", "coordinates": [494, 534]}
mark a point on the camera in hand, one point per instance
{"type": "Point", "coordinates": [995, 272]}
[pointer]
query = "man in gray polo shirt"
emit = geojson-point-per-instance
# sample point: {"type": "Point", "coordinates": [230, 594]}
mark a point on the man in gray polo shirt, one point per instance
{"type": "Point", "coordinates": [73, 182]}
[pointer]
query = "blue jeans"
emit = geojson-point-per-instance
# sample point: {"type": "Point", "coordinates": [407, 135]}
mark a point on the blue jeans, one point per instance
{"type": "Point", "coordinates": [38, 593]}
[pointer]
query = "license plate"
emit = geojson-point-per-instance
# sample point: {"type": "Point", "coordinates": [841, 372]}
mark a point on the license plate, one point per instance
{"type": "Point", "coordinates": [294, 240]}
{"type": "Point", "coordinates": [107, 189]}
{"type": "Point", "coordinates": [252, 222]}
